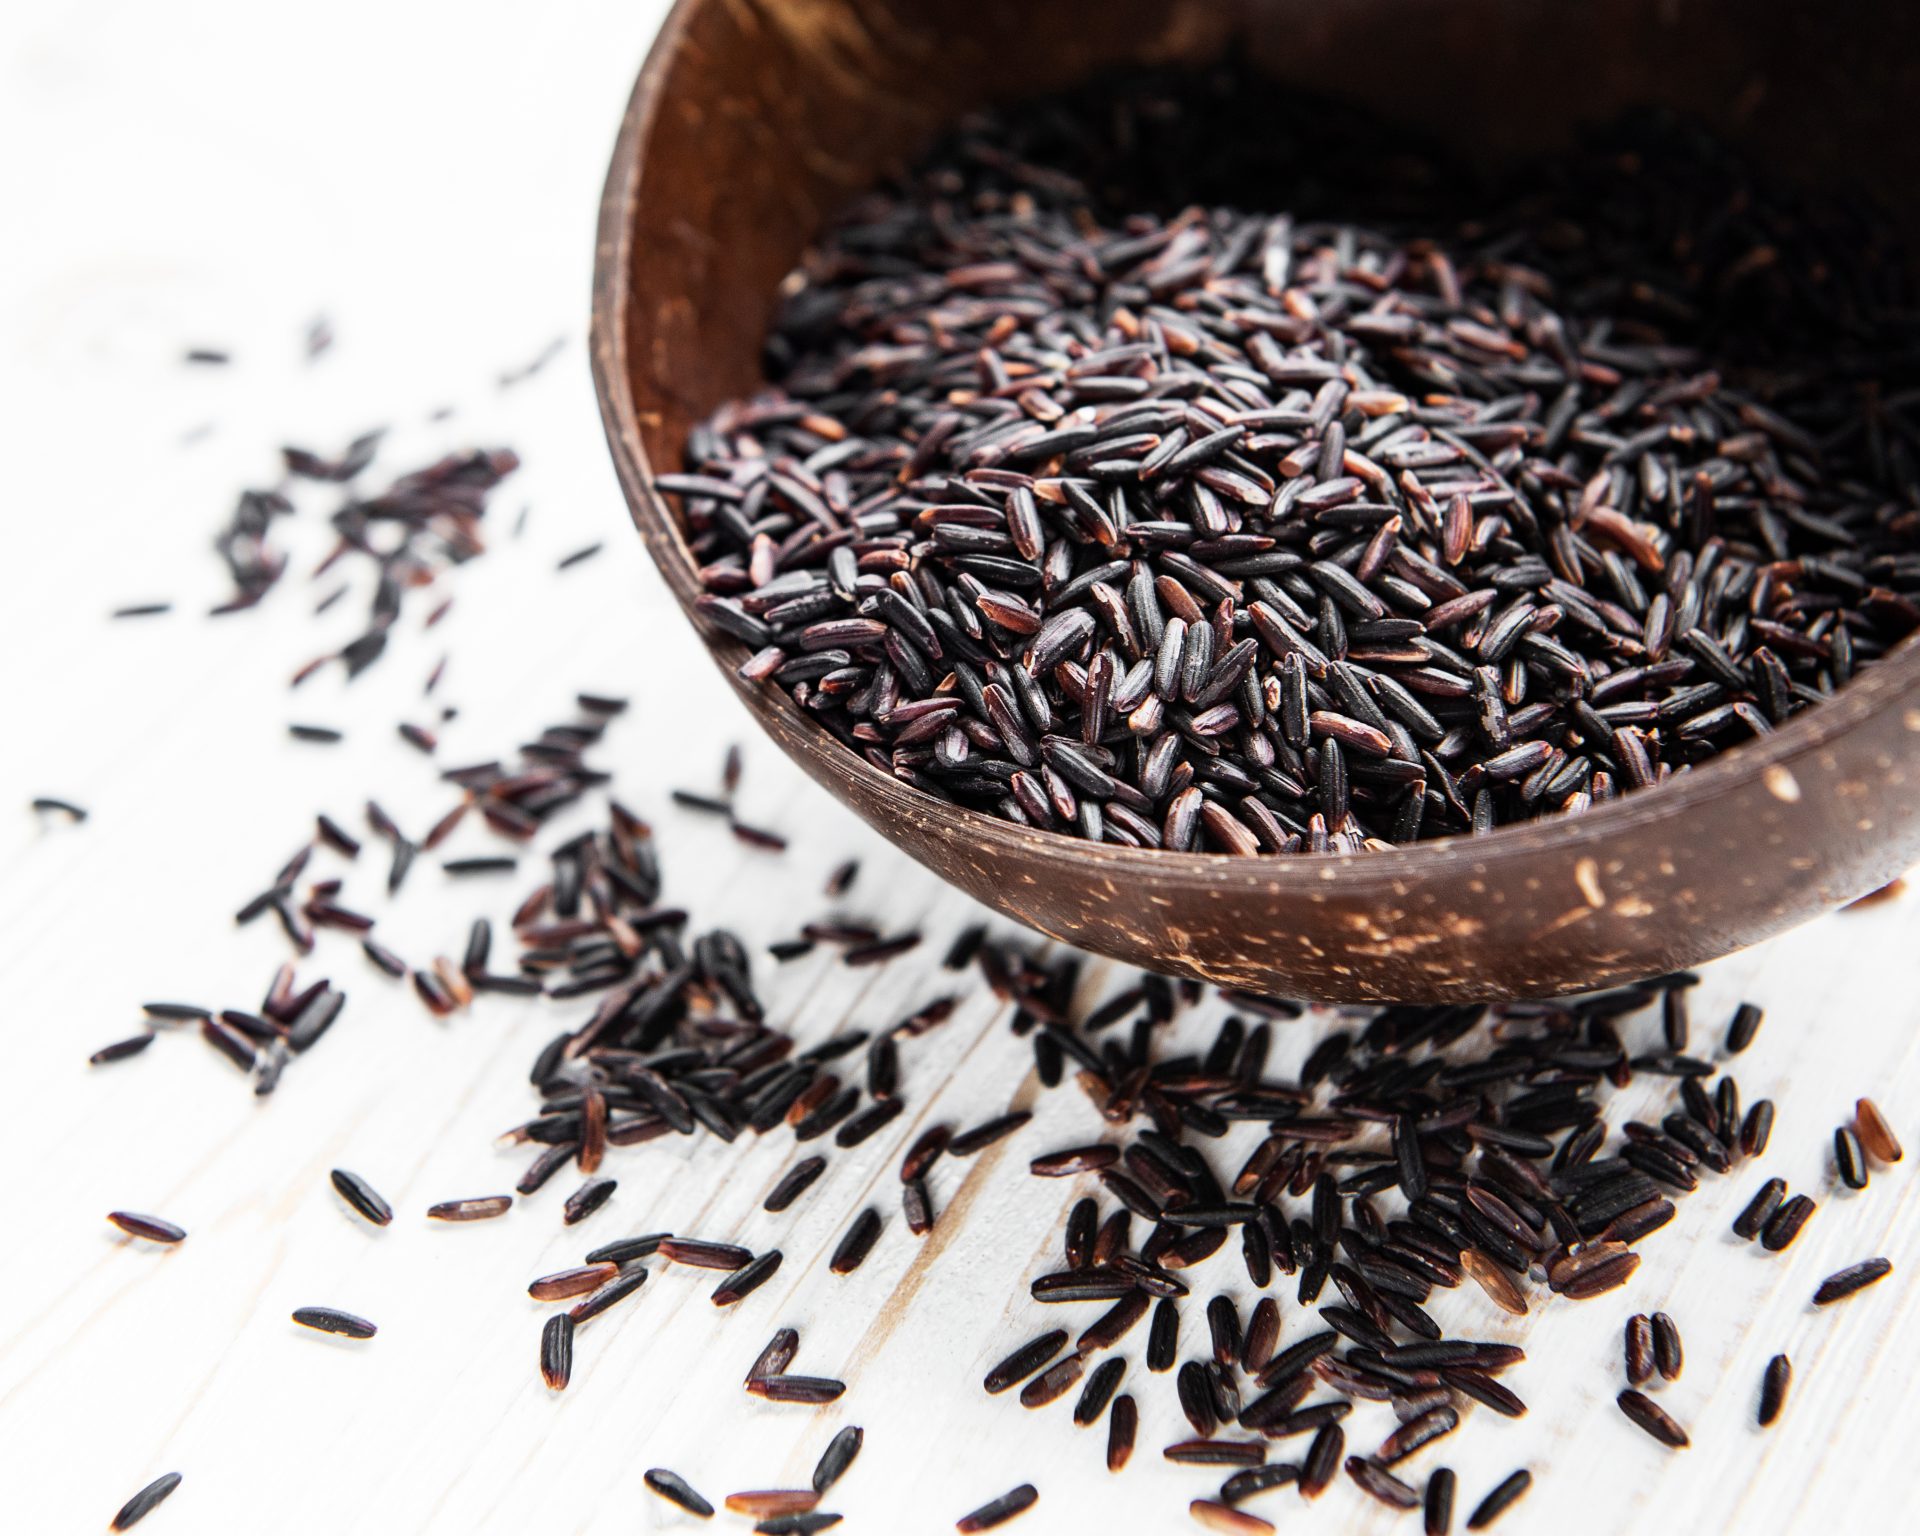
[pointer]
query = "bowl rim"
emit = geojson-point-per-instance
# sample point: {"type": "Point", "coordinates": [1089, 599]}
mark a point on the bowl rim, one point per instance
{"type": "Point", "coordinates": [1516, 851]}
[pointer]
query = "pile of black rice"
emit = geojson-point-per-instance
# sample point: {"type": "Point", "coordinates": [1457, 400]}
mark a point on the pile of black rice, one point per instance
{"type": "Point", "coordinates": [1188, 464]}
{"type": "Point", "coordinates": [1413, 1150]}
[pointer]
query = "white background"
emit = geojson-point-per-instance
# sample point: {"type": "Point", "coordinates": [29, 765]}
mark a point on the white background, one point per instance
{"type": "Point", "coordinates": [426, 174]}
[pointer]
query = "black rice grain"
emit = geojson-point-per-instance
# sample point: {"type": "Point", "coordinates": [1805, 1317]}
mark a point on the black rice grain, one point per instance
{"type": "Point", "coordinates": [1218, 1453]}
{"type": "Point", "coordinates": [1099, 1390]}
{"type": "Point", "coordinates": [385, 958]}
{"type": "Point", "coordinates": [1438, 1506]}
{"type": "Point", "coordinates": [587, 1199]}
{"type": "Point", "coordinates": [1484, 1389]}
{"type": "Point", "coordinates": [857, 1244]}
{"type": "Point", "coordinates": [1381, 1484]}
{"type": "Point", "coordinates": [1123, 1422]}
{"type": "Point", "coordinates": [1773, 1389]}
{"type": "Point", "coordinates": [760, 837]}
{"type": "Point", "coordinates": [1053, 1165]}
{"type": "Point", "coordinates": [1849, 1161]}
{"type": "Point", "coordinates": [1113, 1324]}
{"type": "Point", "coordinates": [1418, 1431]}
{"type": "Point", "coordinates": [1054, 1382]}
{"type": "Point", "coordinates": [1745, 1025]}
{"type": "Point", "coordinates": [229, 1042]}
{"type": "Point", "coordinates": [1082, 1227]}
{"type": "Point", "coordinates": [1785, 1223]}
{"type": "Point", "coordinates": [1196, 1398]}
{"type": "Point", "coordinates": [152, 1228]}
{"type": "Point", "coordinates": [795, 1182]}
{"type": "Point", "coordinates": [917, 1204]}
{"type": "Point", "coordinates": [566, 1283]}
{"type": "Point", "coordinates": [625, 1250]}
{"type": "Point", "coordinates": [1855, 1277]}
{"type": "Point", "coordinates": [1495, 1282]}
{"type": "Point", "coordinates": [556, 1352]}
{"type": "Point", "coordinates": [176, 1012]}
{"type": "Point", "coordinates": [1223, 1326]}
{"type": "Point", "coordinates": [700, 1254]}
{"type": "Point", "coordinates": [1163, 1337]}
{"type": "Point", "coordinates": [965, 946]}
{"type": "Point", "coordinates": [1667, 1356]}
{"type": "Point", "coordinates": [777, 1356]}
{"type": "Point", "coordinates": [1639, 1349]}
{"type": "Point", "coordinates": [623, 1284]}
{"type": "Point", "coordinates": [328, 1320]}
{"type": "Point", "coordinates": [1216, 1516]}
{"type": "Point", "coordinates": [1651, 1417]}
{"type": "Point", "coordinates": [924, 1152]}
{"type": "Point", "coordinates": [481, 1208]}
{"type": "Point", "coordinates": [1497, 1503]}
{"type": "Point", "coordinates": [675, 1489]}
{"type": "Point", "coordinates": [1759, 1210]}
{"type": "Point", "coordinates": [986, 1134]}
{"type": "Point", "coordinates": [747, 1279]}
{"type": "Point", "coordinates": [1674, 1029]}
{"type": "Point", "coordinates": [1322, 1460]}
{"type": "Point", "coordinates": [880, 950]}
{"type": "Point", "coordinates": [762, 1503]}
{"type": "Point", "coordinates": [1876, 1135]}
{"type": "Point", "coordinates": [492, 865]}
{"type": "Point", "coordinates": [1296, 1357]}
{"type": "Point", "coordinates": [362, 1196]}
{"type": "Point", "coordinates": [999, 1511]}
{"type": "Point", "coordinates": [1244, 1485]}
{"type": "Point", "coordinates": [545, 1166]}
{"type": "Point", "coordinates": [837, 1457]}
{"type": "Point", "coordinates": [868, 1121]}
{"type": "Point", "coordinates": [796, 1389]}
{"type": "Point", "coordinates": [120, 1050]}
{"type": "Point", "coordinates": [1263, 1332]}
{"type": "Point", "coordinates": [145, 1501]}
{"type": "Point", "coordinates": [799, 1523]}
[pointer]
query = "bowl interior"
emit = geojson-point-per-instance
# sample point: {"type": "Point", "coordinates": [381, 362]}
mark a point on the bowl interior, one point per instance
{"type": "Point", "coordinates": [764, 116]}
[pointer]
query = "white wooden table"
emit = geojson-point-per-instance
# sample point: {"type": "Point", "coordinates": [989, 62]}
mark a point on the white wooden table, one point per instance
{"type": "Point", "coordinates": [217, 174]}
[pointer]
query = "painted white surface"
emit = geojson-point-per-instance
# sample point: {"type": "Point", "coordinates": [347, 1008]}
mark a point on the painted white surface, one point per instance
{"type": "Point", "coordinates": [426, 174]}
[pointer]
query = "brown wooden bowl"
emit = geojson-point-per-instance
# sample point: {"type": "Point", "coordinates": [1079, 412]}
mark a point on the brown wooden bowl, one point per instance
{"type": "Point", "coordinates": [755, 119]}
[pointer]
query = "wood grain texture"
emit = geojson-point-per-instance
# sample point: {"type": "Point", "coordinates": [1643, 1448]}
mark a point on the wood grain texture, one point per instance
{"type": "Point", "coordinates": [234, 219]}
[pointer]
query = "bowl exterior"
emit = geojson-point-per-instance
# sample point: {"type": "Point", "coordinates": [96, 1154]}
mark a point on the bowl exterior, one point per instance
{"type": "Point", "coordinates": [749, 123]}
